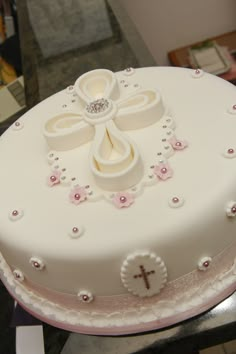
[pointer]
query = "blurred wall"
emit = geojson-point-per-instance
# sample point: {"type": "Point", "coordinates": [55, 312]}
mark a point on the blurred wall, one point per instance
{"type": "Point", "coordinates": [169, 24]}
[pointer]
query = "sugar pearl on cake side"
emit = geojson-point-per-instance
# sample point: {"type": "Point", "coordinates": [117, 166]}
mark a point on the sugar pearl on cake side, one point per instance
{"type": "Point", "coordinates": [37, 263]}
{"type": "Point", "coordinates": [204, 263]}
{"type": "Point", "coordinates": [231, 209]}
{"type": "Point", "coordinates": [85, 296]}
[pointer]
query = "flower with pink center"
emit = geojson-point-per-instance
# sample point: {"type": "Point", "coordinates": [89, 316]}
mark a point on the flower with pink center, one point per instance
{"type": "Point", "coordinates": [123, 199]}
{"type": "Point", "coordinates": [178, 144]}
{"type": "Point", "coordinates": [85, 296]}
{"type": "Point", "coordinates": [54, 178]}
{"type": "Point", "coordinates": [78, 194]}
{"type": "Point", "coordinates": [231, 209]}
{"type": "Point", "coordinates": [204, 263]}
{"type": "Point", "coordinates": [163, 171]}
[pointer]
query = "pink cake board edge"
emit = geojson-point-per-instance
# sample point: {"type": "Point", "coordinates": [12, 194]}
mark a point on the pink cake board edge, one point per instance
{"type": "Point", "coordinates": [133, 329]}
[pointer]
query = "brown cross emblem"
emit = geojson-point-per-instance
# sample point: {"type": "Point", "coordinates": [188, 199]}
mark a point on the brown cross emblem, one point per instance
{"type": "Point", "coordinates": [144, 274]}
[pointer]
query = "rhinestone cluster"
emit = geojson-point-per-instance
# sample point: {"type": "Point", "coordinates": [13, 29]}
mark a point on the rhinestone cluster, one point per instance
{"type": "Point", "coordinates": [98, 106]}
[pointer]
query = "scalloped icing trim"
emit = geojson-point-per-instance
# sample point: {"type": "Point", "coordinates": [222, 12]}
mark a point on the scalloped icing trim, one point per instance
{"type": "Point", "coordinates": [137, 315]}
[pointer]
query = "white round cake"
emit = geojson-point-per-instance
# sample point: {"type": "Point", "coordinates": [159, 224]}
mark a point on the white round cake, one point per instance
{"type": "Point", "coordinates": [118, 201]}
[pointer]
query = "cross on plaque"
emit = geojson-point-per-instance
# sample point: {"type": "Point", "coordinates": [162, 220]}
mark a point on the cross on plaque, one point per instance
{"type": "Point", "coordinates": [144, 274]}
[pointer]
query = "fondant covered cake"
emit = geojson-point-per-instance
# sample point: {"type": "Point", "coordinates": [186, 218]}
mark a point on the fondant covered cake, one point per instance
{"type": "Point", "coordinates": [118, 201]}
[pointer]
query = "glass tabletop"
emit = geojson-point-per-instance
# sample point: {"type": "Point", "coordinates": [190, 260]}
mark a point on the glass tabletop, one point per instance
{"type": "Point", "coordinates": [62, 40]}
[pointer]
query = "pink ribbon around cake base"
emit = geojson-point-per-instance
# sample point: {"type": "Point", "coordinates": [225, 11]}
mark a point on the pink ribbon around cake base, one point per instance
{"type": "Point", "coordinates": [132, 329]}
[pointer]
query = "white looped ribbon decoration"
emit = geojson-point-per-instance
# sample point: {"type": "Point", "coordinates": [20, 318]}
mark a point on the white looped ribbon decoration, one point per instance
{"type": "Point", "coordinates": [114, 158]}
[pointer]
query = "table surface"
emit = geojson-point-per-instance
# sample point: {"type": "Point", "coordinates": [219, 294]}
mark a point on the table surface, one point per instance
{"type": "Point", "coordinates": [44, 76]}
{"type": "Point", "coordinates": [180, 56]}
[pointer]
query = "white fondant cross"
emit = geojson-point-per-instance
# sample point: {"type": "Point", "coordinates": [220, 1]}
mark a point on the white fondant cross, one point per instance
{"type": "Point", "coordinates": [114, 159]}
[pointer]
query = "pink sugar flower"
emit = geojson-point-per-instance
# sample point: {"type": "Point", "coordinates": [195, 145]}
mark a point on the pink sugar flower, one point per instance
{"type": "Point", "coordinates": [178, 144]}
{"type": "Point", "coordinates": [54, 178]}
{"type": "Point", "coordinates": [77, 195]}
{"type": "Point", "coordinates": [163, 171]}
{"type": "Point", "coordinates": [123, 199]}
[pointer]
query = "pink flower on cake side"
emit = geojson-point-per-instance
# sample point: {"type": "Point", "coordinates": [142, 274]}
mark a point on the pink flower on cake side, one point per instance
{"type": "Point", "coordinates": [123, 199]}
{"type": "Point", "coordinates": [163, 171]}
{"type": "Point", "coordinates": [204, 263]}
{"type": "Point", "coordinates": [77, 195]}
{"type": "Point", "coordinates": [231, 209]}
{"type": "Point", "coordinates": [54, 178]}
{"type": "Point", "coordinates": [178, 144]}
{"type": "Point", "coordinates": [85, 296]}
